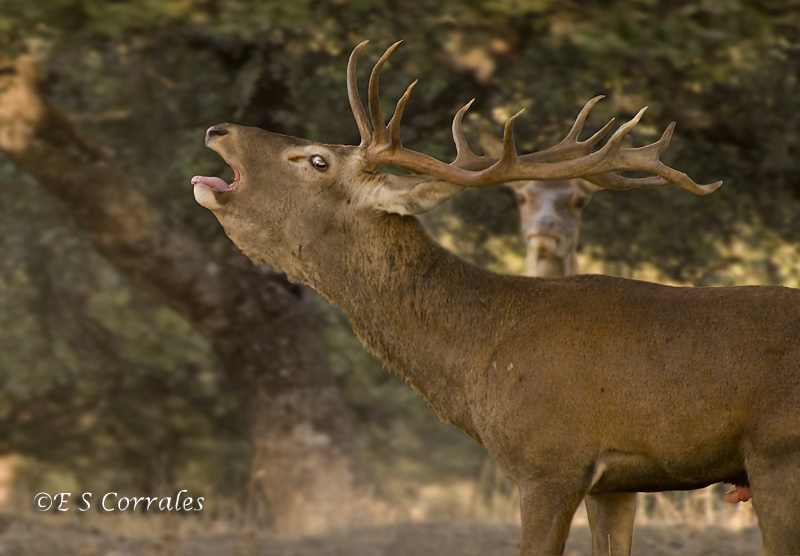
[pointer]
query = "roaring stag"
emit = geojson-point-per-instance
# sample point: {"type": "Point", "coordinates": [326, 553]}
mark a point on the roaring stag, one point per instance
{"type": "Point", "coordinates": [584, 386]}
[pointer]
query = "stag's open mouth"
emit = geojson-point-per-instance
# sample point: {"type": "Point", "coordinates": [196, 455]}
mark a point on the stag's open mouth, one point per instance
{"type": "Point", "coordinates": [218, 184]}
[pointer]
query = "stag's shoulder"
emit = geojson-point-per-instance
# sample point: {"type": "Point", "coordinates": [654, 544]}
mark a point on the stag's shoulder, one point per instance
{"type": "Point", "coordinates": [606, 291]}
{"type": "Point", "coordinates": [603, 282]}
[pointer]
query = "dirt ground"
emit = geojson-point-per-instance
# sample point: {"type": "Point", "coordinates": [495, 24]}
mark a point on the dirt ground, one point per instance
{"type": "Point", "coordinates": [19, 537]}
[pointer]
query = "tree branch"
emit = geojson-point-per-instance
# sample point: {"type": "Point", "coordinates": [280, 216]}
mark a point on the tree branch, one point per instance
{"type": "Point", "coordinates": [118, 220]}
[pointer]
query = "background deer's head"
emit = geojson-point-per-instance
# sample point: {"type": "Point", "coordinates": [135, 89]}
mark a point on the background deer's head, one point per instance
{"type": "Point", "coordinates": [550, 212]}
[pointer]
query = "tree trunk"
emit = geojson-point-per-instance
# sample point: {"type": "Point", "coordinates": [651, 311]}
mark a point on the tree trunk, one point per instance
{"type": "Point", "coordinates": [304, 470]}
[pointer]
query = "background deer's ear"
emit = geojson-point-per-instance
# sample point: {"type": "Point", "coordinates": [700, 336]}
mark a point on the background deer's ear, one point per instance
{"type": "Point", "coordinates": [411, 194]}
{"type": "Point", "coordinates": [493, 147]}
{"type": "Point", "coordinates": [491, 144]}
{"type": "Point", "coordinates": [587, 186]}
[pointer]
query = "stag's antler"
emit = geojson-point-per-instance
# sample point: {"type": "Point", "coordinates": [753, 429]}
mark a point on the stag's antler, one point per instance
{"type": "Point", "coordinates": [568, 159]}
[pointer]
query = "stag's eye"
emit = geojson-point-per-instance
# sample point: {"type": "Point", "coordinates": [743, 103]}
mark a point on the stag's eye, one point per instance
{"type": "Point", "coordinates": [318, 162]}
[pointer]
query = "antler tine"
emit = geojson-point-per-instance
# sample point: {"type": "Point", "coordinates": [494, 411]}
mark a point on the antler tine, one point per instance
{"type": "Point", "coordinates": [595, 139]}
{"type": "Point", "coordinates": [577, 127]}
{"type": "Point", "coordinates": [570, 147]}
{"type": "Point", "coordinates": [376, 115]}
{"type": "Point", "coordinates": [355, 100]}
{"type": "Point", "coordinates": [509, 147]}
{"type": "Point", "coordinates": [394, 123]}
{"type": "Point", "coordinates": [661, 145]}
{"type": "Point", "coordinates": [616, 140]}
{"type": "Point", "coordinates": [647, 158]}
{"type": "Point", "coordinates": [651, 153]}
{"type": "Point", "coordinates": [464, 154]}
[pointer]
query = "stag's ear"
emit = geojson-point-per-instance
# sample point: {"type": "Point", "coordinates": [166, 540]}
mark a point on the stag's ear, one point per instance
{"type": "Point", "coordinates": [410, 194]}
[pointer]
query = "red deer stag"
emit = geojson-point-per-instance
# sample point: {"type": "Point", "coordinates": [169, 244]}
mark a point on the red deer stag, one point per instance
{"type": "Point", "coordinates": [584, 385]}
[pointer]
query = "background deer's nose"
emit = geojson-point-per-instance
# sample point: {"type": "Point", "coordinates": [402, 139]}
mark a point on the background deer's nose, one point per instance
{"type": "Point", "coordinates": [547, 223]}
{"type": "Point", "coordinates": [215, 131]}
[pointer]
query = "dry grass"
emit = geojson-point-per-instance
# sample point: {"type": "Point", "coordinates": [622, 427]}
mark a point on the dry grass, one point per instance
{"type": "Point", "coordinates": [479, 517]}
{"type": "Point", "coordinates": [465, 519]}
{"type": "Point", "coordinates": [34, 538]}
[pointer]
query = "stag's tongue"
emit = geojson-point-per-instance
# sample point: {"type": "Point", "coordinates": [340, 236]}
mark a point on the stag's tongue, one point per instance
{"type": "Point", "coordinates": [217, 184]}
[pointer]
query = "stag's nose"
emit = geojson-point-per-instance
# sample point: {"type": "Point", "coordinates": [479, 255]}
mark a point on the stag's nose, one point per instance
{"type": "Point", "coordinates": [216, 131]}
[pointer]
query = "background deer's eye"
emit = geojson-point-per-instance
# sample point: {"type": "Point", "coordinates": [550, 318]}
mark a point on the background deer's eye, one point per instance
{"type": "Point", "coordinates": [318, 162]}
{"type": "Point", "coordinates": [520, 198]}
{"type": "Point", "coordinates": [580, 201]}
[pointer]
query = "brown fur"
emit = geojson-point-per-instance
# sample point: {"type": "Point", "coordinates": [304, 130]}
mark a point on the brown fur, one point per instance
{"type": "Point", "coordinates": [550, 218]}
{"type": "Point", "coordinates": [589, 384]}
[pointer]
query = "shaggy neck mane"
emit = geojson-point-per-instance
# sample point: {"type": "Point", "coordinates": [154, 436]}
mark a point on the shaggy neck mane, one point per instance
{"type": "Point", "coordinates": [432, 317]}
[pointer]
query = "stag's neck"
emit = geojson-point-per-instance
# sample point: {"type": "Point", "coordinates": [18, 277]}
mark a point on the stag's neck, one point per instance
{"type": "Point", "coordinates": [426, 313]}
{"type": "Point", "coordinates": [545, 265]}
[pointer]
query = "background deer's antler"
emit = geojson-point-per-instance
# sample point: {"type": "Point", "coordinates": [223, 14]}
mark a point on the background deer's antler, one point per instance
{"type": "Point", "coordinates": [570, 158]}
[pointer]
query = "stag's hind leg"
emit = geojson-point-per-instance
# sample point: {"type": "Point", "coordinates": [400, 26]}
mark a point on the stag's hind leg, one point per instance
{"type": "Point", "coordinates": [611, 522]}
{"type": "Point", "coordinates": [775, 487]}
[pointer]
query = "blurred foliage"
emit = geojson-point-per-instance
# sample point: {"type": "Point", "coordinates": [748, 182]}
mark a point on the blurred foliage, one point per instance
{"type": "Point", "coordinates": [100, 379]}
